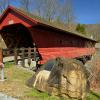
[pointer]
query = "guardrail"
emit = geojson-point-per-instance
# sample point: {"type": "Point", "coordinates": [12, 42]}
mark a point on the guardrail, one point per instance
{"type": "Point", "coordinates": [19, 54]}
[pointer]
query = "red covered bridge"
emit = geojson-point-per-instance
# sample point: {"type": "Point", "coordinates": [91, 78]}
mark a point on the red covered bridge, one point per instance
{"type": "Point", "coordinates": [20, 29]}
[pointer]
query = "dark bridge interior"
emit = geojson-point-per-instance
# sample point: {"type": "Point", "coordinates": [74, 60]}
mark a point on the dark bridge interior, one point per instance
{"type": "Point", "coordinates": [16, 35]}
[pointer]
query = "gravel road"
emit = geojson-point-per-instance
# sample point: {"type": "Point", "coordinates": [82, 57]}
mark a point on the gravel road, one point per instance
{"type": "Point", "coordinates": [6, 97]}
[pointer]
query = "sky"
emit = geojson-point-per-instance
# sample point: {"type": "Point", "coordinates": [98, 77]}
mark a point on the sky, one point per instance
{"type": "Point", "coordinates": [85, 11]}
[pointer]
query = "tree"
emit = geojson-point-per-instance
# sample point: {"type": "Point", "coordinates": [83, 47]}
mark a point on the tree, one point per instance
{"type": "Point", "coordinates": [50, 9]}
{"type": "Point", "coordinates": [38, 9]}
{"type": "Point", "coordinates": [67, 12]}
{"type": "Point", "coordinates": [3, 5]}
{"type": "Point", "coordinates": [46, 9]}
{"type": "Point", "coordinates": [81, 29]}
{"type": "Point", "coordinates": [25, 5]}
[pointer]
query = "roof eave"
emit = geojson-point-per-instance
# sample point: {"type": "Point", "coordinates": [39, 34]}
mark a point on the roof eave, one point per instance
{"type": "Point", "coordinates": [67, 32]}
{"type": "Point", "coordinates": [19, 12]}
{"type": "Point", "coordinates": [41, 23]}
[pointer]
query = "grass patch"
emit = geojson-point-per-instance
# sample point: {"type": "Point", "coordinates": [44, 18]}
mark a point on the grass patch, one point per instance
{"type": "Point", "coordinates": [45, 96]}
{"type": "Point", "coordinates": [93, 96]}
{"type": "Point", "coordinates": [15, 85]}
{"type": "Point", "coordinates": [9, 64]}
{"type": "Point", "coordinates": [14, 73]}
{"type": "Point", "coordinates": [40, 95]}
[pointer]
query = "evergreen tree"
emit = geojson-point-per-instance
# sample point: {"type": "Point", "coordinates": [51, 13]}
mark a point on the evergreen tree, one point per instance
{"type": "Point", "coordinates": [80, 28]}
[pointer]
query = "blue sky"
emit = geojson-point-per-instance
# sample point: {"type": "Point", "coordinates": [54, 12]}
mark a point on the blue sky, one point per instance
{"type": "Point", "coordinates": [85, 11]}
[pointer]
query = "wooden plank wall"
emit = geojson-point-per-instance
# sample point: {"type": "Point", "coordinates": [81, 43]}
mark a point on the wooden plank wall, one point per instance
{"type": "Point", "coordinates": [67, 52]}
{"type": "Point", "coordinates": [23, 53]}
{"type": "Point", "coordinates": [46, 53]}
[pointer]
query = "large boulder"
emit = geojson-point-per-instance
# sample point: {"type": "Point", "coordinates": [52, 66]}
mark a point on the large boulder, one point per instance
{"type": "Point", "coordinates": [68, 78]}
{"type": "Point", "coordinates": [40, 81]}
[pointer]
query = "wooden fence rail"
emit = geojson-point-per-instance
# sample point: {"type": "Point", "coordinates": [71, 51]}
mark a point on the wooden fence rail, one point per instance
{"type": "Point", "coordinates": [23, 53]}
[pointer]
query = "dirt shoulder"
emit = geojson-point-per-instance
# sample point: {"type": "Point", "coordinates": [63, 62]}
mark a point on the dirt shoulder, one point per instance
{"type": "Point", "coordinates": [15, 83]}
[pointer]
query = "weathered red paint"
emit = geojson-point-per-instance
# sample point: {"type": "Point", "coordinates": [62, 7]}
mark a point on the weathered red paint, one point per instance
{"type": "Point", "coordinates": [67, 52]}
{"type": "Point", "coordinates": [11, 15]}
{"type": "Point", "coordinates": [47, 39]}
{"type": "Point", "coordinates": [50, 46]}
{"type": "Point", "coordinates": [50, 43]}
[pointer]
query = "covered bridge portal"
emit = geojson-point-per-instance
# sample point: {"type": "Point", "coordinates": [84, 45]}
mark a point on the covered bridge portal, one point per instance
{"type": "Point", "coordinates": [19, 30]}
{"type": "Point", "coordinates": [16, 35]}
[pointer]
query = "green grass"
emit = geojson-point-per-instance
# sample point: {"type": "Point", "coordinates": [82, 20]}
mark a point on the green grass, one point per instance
{"type": "Point", "coordinates": [20, 76]}
{"type": "Point", "coordinates": [9, 64]}
{"type": "Point", "coordinates": [16, 73]}
{"type": "Point", "coordinates": [40, 95]}
{"type": "Point", "coordinates": [45, 96]}
{"type": "Point", "coordinates": [93, 96]}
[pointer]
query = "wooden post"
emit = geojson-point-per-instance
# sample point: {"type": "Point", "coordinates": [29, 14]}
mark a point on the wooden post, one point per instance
{"type": "Point", "coordinates": [34, 52]}
{"type": "Point", "coordinates": [1, 55]}
{"type": "Point", "coordinates": [35, 57]}
{"type": "Point", "coordinates": [1, 65]}
{"type": "Point", "coordinates": [15, 56]}
{"type": "Point", "coordinates": [2, 71]}
{"type": "Point", "coordinates": [23, 55]}
{"type": "Point", "coordinates": [8, 52]}
{"type": "Point", "coordinates": [29, 56]}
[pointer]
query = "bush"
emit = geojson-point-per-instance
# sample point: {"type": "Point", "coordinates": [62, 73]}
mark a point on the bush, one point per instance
{"type": "Point", "coordinates": [95, 84]}
{"type": "Point", "coordinates": [80, 28]}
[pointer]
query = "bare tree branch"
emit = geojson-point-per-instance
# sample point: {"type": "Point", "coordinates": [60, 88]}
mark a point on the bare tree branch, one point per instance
{"type": "Point", "coordinates": [25, 4]}
{"type": "Point", "coordinates": [46, 9]}
{"type": "Point", "coordinates": [3, 5]}
{"type": "Point", "coordinates": [67, 12]}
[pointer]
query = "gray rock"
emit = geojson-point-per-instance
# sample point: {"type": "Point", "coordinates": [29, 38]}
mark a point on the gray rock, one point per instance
{"type": "Point", "coordinates": [67, 78]}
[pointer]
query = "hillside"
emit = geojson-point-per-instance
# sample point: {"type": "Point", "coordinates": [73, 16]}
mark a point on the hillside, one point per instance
{"type": "Point", "coordinates": [93, 29]}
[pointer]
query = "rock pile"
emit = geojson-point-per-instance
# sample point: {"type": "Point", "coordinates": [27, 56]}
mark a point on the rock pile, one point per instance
{"type": "Point", "coordinates": [68, 78]}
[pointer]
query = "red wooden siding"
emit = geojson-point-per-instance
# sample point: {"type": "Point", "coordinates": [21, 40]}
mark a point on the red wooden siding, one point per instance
{"type": "Point", "coordinates": [52, 45]}
{"type": "Point", "coordinates": [50, 41]}
{"type": "Point", "coordinates": [16, 18]}
{"type": "Point", "coordinates": [45, 39]}
{"type": "Point", "coordinates": [67, 52]}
